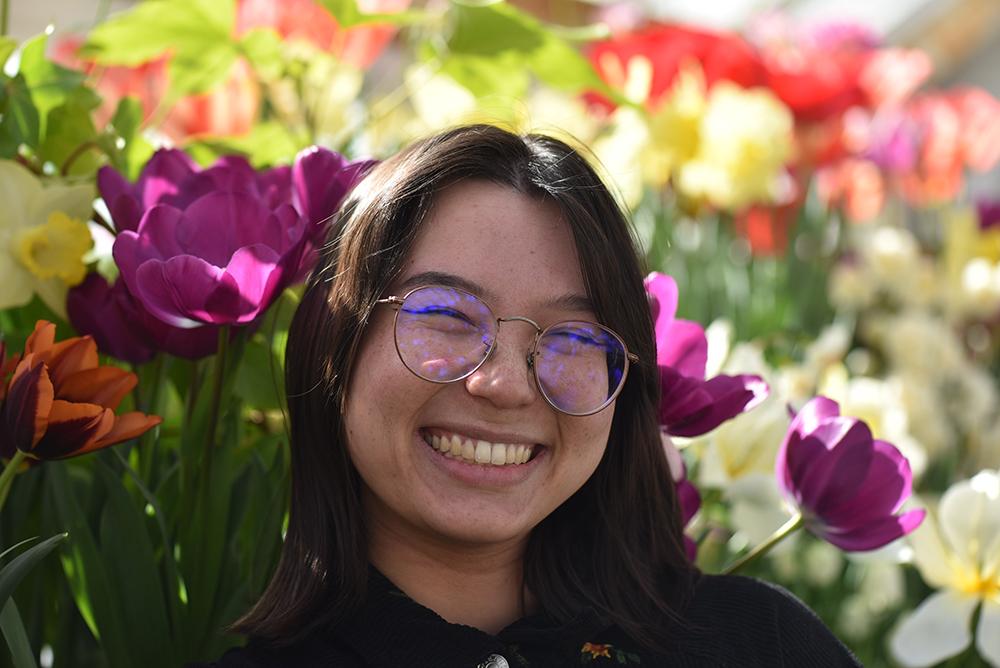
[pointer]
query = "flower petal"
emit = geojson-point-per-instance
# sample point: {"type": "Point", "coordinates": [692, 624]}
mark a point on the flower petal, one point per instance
{"type": "Point", "coordinates": [970, 522]}
{"type": "Point", "coordinates": [988, 632]}
{"type": "Point", "coordinates": [41, 339]}
{"type": "Point", "coordinates": [662, 292]}
{"type": "Point", "coordinates": [838, 473]}
{"type": "Point", "coordinates": [72, 427]}
{"type": "Point", "coordinates": [872, 535]}
{"type": "Point", "coordinates": [684, 347]}
{"type": "Point", "coordinates": [25, 414]}
{"type": "Point", "coordinates": [931, 556]}
{"type": "Point", "coordinates": [881, 493]}
{"type": "Point", "coordinates": [936, 630]}
{"type": "Point", "coordinates": [71, 356]}
{"type": "Point", "coordinates": [175, 290]}
{"type": "Point", "coordinates": [105, 386]}
{"type": "Point", "coordinates": [126, 426]}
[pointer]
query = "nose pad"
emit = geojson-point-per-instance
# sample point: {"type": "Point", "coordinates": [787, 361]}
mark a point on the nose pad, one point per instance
{"type": "Point", "coordinates": [501, 378]}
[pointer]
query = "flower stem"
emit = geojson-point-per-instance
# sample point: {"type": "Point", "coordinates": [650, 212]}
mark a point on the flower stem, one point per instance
{"type": "Point", "coordinates": [4, 17]}
{"type": "Point", "coordinates": [7, 477]}
{"type": "Point", "coordinates": [793, 524]}
{"type": "Point", "coordinates": [218, 378]}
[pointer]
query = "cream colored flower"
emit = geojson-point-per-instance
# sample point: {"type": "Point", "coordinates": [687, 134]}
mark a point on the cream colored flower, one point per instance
{"type": "Point", "coordinates": [957, 552]}
{"type": "Point", "coordinates": [744, 141]}
{"type": "Point", "coordinates": [43, 237]}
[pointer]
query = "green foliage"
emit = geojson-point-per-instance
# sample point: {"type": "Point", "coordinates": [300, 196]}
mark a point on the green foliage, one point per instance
{"type": "Point", "coordinates": [348, 14]}
{"type": "Point", "coordinates": [494, 47]}
{"type": "Point", "coordinates": [198, 34]}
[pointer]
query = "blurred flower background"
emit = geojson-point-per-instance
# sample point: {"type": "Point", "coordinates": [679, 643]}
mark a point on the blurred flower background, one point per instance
{"type": "Point", "coordinates": [816, 184]}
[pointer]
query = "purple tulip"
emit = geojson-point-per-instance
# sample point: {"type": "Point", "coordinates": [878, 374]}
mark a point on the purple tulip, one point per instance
{"type": "Point", "coordinates": [689, 404]}
{"type": "Point", "coordinates": [847, 485]}
{"type": "Point", "coordinates": [161, 180]}
{"type": "Point", "coordinates": [221, 261]}
{"type": "Point", "coordinates": [123, 329]}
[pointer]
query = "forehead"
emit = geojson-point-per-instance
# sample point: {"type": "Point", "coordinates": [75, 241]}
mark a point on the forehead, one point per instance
{"type": "Point", "coordinates": [517, 249]}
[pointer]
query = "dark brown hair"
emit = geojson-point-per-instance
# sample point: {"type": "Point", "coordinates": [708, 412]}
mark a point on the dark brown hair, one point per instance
{"type": "Point", "coordinates": [615, 545]}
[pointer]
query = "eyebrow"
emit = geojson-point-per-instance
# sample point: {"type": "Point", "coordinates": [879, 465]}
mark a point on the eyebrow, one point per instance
{"type": "Point", "coordinates": [565, 302]}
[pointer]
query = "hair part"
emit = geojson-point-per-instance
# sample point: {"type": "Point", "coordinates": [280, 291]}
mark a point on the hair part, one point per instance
{"type": "Point", "coordinates": [616, 544]}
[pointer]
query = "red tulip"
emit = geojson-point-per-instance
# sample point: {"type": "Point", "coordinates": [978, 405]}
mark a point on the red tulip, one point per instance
{"type": "Point", "coordinates": [60, 402]}
{"type": "Point", "coordinates": [721, 56]}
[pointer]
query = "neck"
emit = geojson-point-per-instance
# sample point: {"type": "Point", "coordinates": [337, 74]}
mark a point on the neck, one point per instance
{"type": "Point", "coordinates": [478, 586]}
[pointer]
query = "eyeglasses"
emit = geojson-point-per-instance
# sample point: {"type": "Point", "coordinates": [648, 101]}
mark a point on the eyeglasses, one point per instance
{"type": "Point", "coordinates": [444, 334]}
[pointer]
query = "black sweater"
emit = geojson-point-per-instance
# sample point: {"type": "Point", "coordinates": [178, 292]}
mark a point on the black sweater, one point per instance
{"type": "Point", "coordinates": [731, 621]}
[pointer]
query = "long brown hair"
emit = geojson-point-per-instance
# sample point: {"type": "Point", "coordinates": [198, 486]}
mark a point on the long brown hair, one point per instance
{"type": "Point", "coordinates": [616, 544]}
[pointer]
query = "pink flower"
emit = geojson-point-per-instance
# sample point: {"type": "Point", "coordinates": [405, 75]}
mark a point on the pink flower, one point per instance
{"type": "Point", "coordinates": [847, 485]}
{"type": "Point", "coordinates": [691, 405]}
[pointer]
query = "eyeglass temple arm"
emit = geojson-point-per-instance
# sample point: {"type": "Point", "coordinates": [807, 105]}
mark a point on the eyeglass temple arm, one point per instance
{"type": "Point", "coordinates": [392, 301]}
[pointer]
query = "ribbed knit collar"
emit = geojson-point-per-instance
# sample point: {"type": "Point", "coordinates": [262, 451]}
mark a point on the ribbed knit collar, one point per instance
{"type": "Point", "coordinates": [392, 630]}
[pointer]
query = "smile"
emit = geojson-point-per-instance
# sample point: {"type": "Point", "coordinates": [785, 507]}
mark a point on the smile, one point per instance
{"type": "Point", "coordinates": [477, 451]}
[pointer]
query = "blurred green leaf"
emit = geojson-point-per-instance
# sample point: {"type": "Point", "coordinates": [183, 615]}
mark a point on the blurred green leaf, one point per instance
{"type": "Point", "coordinates": [86, 572]}
{"type": "Point", "coordinates": [259, 379]}
{"type": "Point", "coordinates": [267, 143]}
{"type": "Point", "coordinates": [124, 129]}
{"type": "Point", "coordinates": [51, 85]}
{"type": "Point", "coordinates": [197, 33]}
{"type": "Point", "coordinates": [501, 34]}
{"type": "Point", "coordinates": [128, 553]}
{"type": "Point", "coordinates": [14, 572]}
{"type": "Point", "coordinates": [7, 46]}
{"type": "Point", "coordinates": [16, 636]}
{"type": "Point", "coordinates": [20, 122]}
{"type": "Point", "coordinates": [71, 135]}
{"type": "Point", "coordinates": [348, 15]}
{"type": "Point", "coordinates": [262, 47]}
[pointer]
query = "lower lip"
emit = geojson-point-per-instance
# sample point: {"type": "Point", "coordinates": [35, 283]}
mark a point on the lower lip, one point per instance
{"type": "Point", "coordinates": [481, 475]}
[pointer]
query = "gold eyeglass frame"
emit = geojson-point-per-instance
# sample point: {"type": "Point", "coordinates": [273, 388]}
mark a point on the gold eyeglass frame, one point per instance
{"type": "Point", "coordinates": [397, 303]}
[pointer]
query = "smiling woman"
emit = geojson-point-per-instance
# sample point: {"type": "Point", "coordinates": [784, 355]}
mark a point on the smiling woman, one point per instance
{"type": "Point", "coordinates": [478, 476]}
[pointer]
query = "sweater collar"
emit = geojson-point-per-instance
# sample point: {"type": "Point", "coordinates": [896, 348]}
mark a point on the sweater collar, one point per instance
{"type": "Point", "coordinates": [392, 630]}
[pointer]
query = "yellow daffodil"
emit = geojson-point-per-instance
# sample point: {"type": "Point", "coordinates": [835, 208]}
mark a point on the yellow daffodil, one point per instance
{"type": "Point", "coordinates": [43, 237]}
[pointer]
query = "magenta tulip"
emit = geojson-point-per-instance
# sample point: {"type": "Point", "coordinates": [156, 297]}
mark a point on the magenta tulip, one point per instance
{"type": "Point", "coordinates": [689, 404]}
{"type": "Point", "coordinates": [220, 261]}
{"type": "Point", "coordinates": [122, 328]}
{"type": "Point", "coordinates": [847, 485]}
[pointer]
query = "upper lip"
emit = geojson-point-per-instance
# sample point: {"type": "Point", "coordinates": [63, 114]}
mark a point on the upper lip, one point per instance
{"type": "Point", "coordinates": [484, 434]}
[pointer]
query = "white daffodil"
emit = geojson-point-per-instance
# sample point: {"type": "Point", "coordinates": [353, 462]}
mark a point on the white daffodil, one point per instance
{"type": "Point", "coordinates": [958, 552]}
{"type": "Point", "coordinates": [43, 237]}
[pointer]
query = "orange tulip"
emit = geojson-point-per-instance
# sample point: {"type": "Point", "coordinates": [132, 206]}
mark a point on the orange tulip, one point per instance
{"type": "Point", "coordinates": [60, 402]}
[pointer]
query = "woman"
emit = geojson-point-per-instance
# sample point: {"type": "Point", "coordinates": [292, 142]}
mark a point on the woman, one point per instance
{"type": "Point", "coordinates": [478, 477]}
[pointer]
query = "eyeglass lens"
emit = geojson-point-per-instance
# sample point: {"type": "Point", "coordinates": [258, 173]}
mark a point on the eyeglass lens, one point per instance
{"type": "Point", "coordinates": [443, 334]}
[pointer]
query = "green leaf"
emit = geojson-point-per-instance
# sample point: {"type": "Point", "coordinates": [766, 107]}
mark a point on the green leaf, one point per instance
{"type": "Point", "coordinates": [259, 378]}
{"type": "Point", "coordinates": [124, 125]}
{"type": "Point", "coordinates": [20, 123]}
{"type": "Point", "coordinates": [16, 636]}
{"type": "Point", "coordinates": [348, 15]}
{"type": "Point", "coordinates": [86, 572]}
{"type": "Point", "coordinates": [7, 46]}
{"type": "Point", "coordinates": [516, 42]}
{"type": "Point", "coordinates": [197, 33]}
{"type": "Point", "coordinates": [267, 143]}
{"type": "Point", "coordinates": [70, 131]}
{"type": "Point", "coordinates": [262, 47]}
{"type": "Point", "coordinates": [51, 85]}
{"type": "Point", "coordinates": [128, 553]}
{"type": "Point", "coordinates": [14, 572]}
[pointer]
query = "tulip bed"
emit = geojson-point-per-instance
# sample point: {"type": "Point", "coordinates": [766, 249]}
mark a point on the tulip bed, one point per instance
{"type": "Point", "coordinates": [825, 290]}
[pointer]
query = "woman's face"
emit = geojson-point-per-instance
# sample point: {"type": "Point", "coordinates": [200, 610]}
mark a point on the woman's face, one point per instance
{"type": "Point", "coordinates": [518, 255]}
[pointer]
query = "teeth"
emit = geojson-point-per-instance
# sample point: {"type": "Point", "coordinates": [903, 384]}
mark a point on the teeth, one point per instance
{"type": "Point", "coordinates": [479, 451]}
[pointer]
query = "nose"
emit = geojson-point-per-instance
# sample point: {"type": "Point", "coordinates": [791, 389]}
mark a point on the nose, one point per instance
{"type": "Point", "coordinates": [505, 379]}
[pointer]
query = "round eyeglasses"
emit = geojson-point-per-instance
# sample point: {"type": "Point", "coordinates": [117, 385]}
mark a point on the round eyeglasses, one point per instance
{"type": "Point", "coordinates": [444, 334]}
